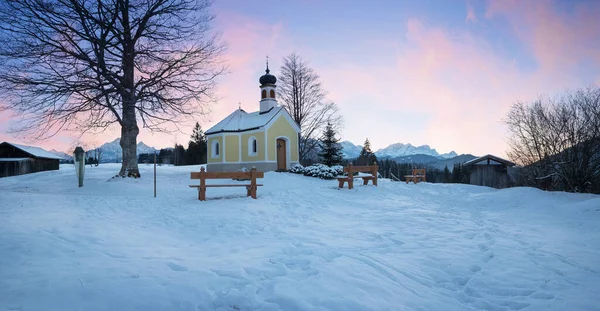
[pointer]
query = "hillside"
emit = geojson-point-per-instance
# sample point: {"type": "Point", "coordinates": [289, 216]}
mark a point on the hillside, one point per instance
{"type": "Point", "coordinates": [302, 245]}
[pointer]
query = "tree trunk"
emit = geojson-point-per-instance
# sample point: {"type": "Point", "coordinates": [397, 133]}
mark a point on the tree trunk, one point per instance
{"type": "Point", "coordinates": [129, 133]}
{"type": "Point", "coordinates": [129, 166]}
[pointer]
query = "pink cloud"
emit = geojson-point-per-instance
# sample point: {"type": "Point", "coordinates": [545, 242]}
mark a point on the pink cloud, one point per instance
{"type": "Point", "coordinates": [471, 17]}
{"type": "Point", "coordinates": [557, 38]}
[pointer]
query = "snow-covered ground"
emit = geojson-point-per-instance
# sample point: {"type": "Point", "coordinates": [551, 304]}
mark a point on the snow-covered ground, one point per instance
{"type": "Point", "coordinates": [303, 245]}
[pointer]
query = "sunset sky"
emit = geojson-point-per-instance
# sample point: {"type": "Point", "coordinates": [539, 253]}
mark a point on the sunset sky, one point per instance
{"type": "Point", "coordinates": [442, 73]}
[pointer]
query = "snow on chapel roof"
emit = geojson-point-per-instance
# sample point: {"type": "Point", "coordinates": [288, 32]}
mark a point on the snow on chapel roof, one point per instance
{"type": "Point", "coordinates": [35, 151]}
{"type": "Point", "coordinates": [240, 121]}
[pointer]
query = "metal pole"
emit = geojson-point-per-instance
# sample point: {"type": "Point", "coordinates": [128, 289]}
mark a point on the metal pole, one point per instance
{"type": "Point", "coordinates": [155, 174]}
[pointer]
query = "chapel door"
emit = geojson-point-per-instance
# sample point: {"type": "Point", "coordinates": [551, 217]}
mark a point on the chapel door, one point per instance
{"type": "Point", "coordinates": [281, 154]}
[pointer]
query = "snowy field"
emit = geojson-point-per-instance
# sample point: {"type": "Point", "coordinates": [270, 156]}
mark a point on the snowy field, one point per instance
{"type": "Point", "coordinates": [303, 245]}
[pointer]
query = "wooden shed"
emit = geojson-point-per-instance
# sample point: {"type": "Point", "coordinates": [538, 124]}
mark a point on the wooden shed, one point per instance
{"type": "Point", "coordinates": [490, 171]}
{"type": "Point", "coordinates": [18, 160]}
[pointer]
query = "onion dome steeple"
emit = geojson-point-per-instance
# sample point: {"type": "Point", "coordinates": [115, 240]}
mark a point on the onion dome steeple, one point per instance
{"type": "Point", "coordinates": [267, 78]}
{"type": "Point", "coordinates": [267, 91]}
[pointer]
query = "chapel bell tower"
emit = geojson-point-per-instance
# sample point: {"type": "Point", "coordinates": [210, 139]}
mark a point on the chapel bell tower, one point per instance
{"type": "Point", "coordinates": [267, 91]}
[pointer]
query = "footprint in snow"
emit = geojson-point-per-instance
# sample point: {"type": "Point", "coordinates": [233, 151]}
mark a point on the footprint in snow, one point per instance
{"type": "Point", "coordinates": [176, 267]}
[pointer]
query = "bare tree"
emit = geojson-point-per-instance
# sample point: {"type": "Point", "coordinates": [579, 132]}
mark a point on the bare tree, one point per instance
{"type": "Point", "coordinates": [90, 64]}
{"type": "Point", "coordinates": [301, 92]}
{"type": "Point", "coordinates": [558, 140]}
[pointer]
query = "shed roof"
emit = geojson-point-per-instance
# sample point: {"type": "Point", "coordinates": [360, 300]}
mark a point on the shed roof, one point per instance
{"type": "Point", "coordinates": [13, 159]}
{"type": "Point", "coordinates": [489, 157]}
{"type": "Point", "coordinates": [240, 121]}
{"type": "Point", "coordinates": [34, 151]}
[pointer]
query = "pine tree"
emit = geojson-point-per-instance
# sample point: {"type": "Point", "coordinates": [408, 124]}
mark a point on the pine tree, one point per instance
{"type": "Point", "coordinates": [197, 149]}
{"type": "Point", "coordinates": [447, 175]}
{"type": "Point", "coordinates": [366, 157]}
{"type": "Point", "coordinates": [179, 154]}
{"type": "Point", "coordinates": [456, 173]}
{"type": "Point", "coordinates": [331, 152]}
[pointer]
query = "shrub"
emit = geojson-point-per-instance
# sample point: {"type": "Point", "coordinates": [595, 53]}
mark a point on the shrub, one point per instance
{"type": "Point", "coordinates": [297, 169]}
{"type": "Point", "coordinates": [323, 171]}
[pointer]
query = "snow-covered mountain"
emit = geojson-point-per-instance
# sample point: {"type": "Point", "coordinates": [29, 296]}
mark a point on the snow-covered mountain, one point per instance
{"type": "Point", "coordinates": [395, 150]}
{"type": "Point", "coordinates": [112, 151]}
{"type": "Point", "coordinates": [61, 154]}
{"type": "Point", "coordinates": [350, 150]}
{"type": "Point", "coordinates": [401, 150]}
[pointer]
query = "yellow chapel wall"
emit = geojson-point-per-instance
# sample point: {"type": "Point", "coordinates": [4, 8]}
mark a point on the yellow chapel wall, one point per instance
{"type": "Point", "coordinates": [260, 146]}
{"type": "Point", "coordinates": [232, 148]}
{"type": "Point", "coordinates": [209, 156]}
{"type": "Point", "coordinates": [281, 127]}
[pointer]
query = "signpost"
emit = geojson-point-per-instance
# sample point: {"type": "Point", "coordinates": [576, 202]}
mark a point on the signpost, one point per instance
{"type": "Point", "coordinates": [79, 160]}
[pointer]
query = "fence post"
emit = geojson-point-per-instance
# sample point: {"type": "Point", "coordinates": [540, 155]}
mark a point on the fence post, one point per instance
{"type": "Point", "coordinates": [375, 171]}
{"type": "Point", "coordinates": [202, 189]}
{"type": "Point", "coordinates": [155, 174]}
{"type": "Point", "coordinates": [253, 182]}
{"type": "Point", "coordinates": [350, 177]}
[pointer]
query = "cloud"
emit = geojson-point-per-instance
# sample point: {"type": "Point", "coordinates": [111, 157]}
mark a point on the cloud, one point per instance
{"type": "Point", "coordinates": [471, 17]}
{"type": "Point", "coordinates": [558, 38]}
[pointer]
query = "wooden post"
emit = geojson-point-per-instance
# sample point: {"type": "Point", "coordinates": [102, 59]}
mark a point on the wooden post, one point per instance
{"type": "Point", "coordinates": [253, 182]}
{"type": "Point", "coordinates": [202, 189]}
{"type": "Point", "coordinates": [374, 171]}
{"type": "Point", "coordinates": [350, 177]}
{"type": "Point", "coordinates": [155, 174]}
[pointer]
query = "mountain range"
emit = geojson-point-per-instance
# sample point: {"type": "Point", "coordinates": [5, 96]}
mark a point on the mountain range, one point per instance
{"type": "Point", "coordinates": [401, 153]}
{"type": "Point", "coordinates": [109, 152]}
{"type": "Point", "coordinates": [407, 153]}
{"type": "Point", "coordinates": [112, 152]}
{"type": "Point", "coordinates": [395, 151]}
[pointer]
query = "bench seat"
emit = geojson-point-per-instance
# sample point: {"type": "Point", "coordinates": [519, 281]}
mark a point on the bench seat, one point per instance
{"type": "Point", "coordinates": [250, 176]}
{"type": "Point", "coordinates": [244, 185]}
{"type": "Point", "coordinates": [416, 176]}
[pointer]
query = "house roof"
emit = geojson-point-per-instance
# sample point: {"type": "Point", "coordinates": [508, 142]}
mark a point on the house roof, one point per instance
{"type": "Point", "coordinates": [491, 158]}
{"type": "Point", "coordinates": [34, 151]}
{"type": "Point", "coordinates": [241, 121]}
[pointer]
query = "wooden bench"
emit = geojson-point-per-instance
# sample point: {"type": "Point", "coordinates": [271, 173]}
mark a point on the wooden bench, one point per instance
{"type": "Point", "coordinates": [251, 188]}
{"type": "Point", "coordinates": [372, 169]}
{"type": "Point", "coordinates": [418, 174]}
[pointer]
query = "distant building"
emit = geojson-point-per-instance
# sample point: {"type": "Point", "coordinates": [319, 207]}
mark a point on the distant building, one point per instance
{"type": "Point", "coordinates": [490, 171]}
{"type": "Point", "coordinates": [266, 139]}
{"type": "Point", "coordinates": [18, 160]}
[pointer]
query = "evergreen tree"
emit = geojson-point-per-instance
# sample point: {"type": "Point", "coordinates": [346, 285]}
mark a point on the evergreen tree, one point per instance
{"type": "Point", "coordinates": [447, 175]}
{"type": "Point", "coordinates": [179, 154]}
{"type": "Point", "coordinates": [366, 157]}
{"type": "Point", "coordinates": [197, 149]}
{"type": "Point", "coordinates": [331, 151]}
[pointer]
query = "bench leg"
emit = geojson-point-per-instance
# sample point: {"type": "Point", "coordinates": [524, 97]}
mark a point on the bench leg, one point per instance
{"type": "Point", "coordinates": [248, 192]}
{"type": "Point", "coordinates": [341, 183]}
{"type": "Point", "coordinates": [351, 183]}
{"type": "Point", "coordinates": [202, 193]}
{"type": "Point", "coordinates": [375, 181]}
{"type": "Point", "coordinates": [365, 181]}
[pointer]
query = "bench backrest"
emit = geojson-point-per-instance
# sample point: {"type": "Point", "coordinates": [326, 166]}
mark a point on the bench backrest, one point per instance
{"type": "Point", "coordinates": [418, 171]}
{"type": "Point", "coordinates": [227, 175]}
{"type": "Point", "coordinates": [362, 169]}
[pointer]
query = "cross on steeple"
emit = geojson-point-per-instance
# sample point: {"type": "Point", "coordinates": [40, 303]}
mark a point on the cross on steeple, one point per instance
{"type": "Point", "coordinates": [267, 64]}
